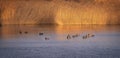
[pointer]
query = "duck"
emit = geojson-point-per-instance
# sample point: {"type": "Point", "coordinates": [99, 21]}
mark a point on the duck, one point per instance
{"type": "Point", "coordinates": [85, 37]}
{"type": "Point", "coordinates": [26, 32]}
{"type": "Point", "coordinates": [75, 35]}
{"type": "Point", "coordinates": [88, 36]}
{"type": "Point", "coordinates": [41, 33]}
{"type": "Point", "coordinates": [46, 38]}
{"type": "Point", "coordinates": [68, 36]}
{"type": "Point", "coordinates": [20, 32]}
{"type": "Point", "coordinates": [91, 35]}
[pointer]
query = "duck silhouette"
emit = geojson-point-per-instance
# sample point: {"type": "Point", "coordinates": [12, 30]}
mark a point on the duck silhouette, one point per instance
{"type": "Point", "coordinates": [41, 33]}
{"type": "Point", "coordinates": [46, 38]}
{"type": "Point", "coordinates": [68, 36]}
{"type": "Point", "coordinates": [20, 32]}
{"type": "Point", "coordinates": [88, 36]}
{"type": "Point", "coordinates": [26, 32]}
{"type": "Point", "coordinates": [76, 35]}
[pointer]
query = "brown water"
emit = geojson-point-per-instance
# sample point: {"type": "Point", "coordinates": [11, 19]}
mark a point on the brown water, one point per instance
{"type": "Point", "coordinates": [24, 41]}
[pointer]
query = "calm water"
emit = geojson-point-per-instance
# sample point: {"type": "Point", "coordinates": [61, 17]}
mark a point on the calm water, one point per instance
{"type": "Point", "coordinates": [60, 41]}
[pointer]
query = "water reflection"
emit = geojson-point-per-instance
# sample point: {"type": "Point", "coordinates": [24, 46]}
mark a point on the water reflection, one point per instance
{"type": "Point", "coordinates": [55, 32]}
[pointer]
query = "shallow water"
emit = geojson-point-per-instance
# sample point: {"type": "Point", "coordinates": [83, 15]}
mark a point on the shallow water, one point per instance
{"type": "Point", "coordinates": [24, 41]}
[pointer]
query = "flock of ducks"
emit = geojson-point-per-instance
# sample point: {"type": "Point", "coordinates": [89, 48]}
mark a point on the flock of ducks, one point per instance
{"type": "Point", "coordinates": [88, 36]}
{"type": "Point", "coordinates": [84, 37]}
{"type": "Point", "coordinates": [68, 36]}
{"type": "Point", "coordinates": [20, 32]}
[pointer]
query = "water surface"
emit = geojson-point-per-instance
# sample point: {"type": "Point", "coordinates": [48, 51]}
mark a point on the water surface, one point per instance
{"type": "Point", "coordinates": [28, 41]}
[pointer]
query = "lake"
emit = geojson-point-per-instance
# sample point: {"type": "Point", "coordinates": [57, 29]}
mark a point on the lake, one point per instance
{"type": "Point", "coordinates": [67, 41]}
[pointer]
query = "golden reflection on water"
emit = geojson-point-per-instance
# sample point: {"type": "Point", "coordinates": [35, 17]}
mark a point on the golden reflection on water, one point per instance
{"type": "Point", "coordinates": [84, 28]}
{"type": "Point", "coordinates": [14, 30]}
